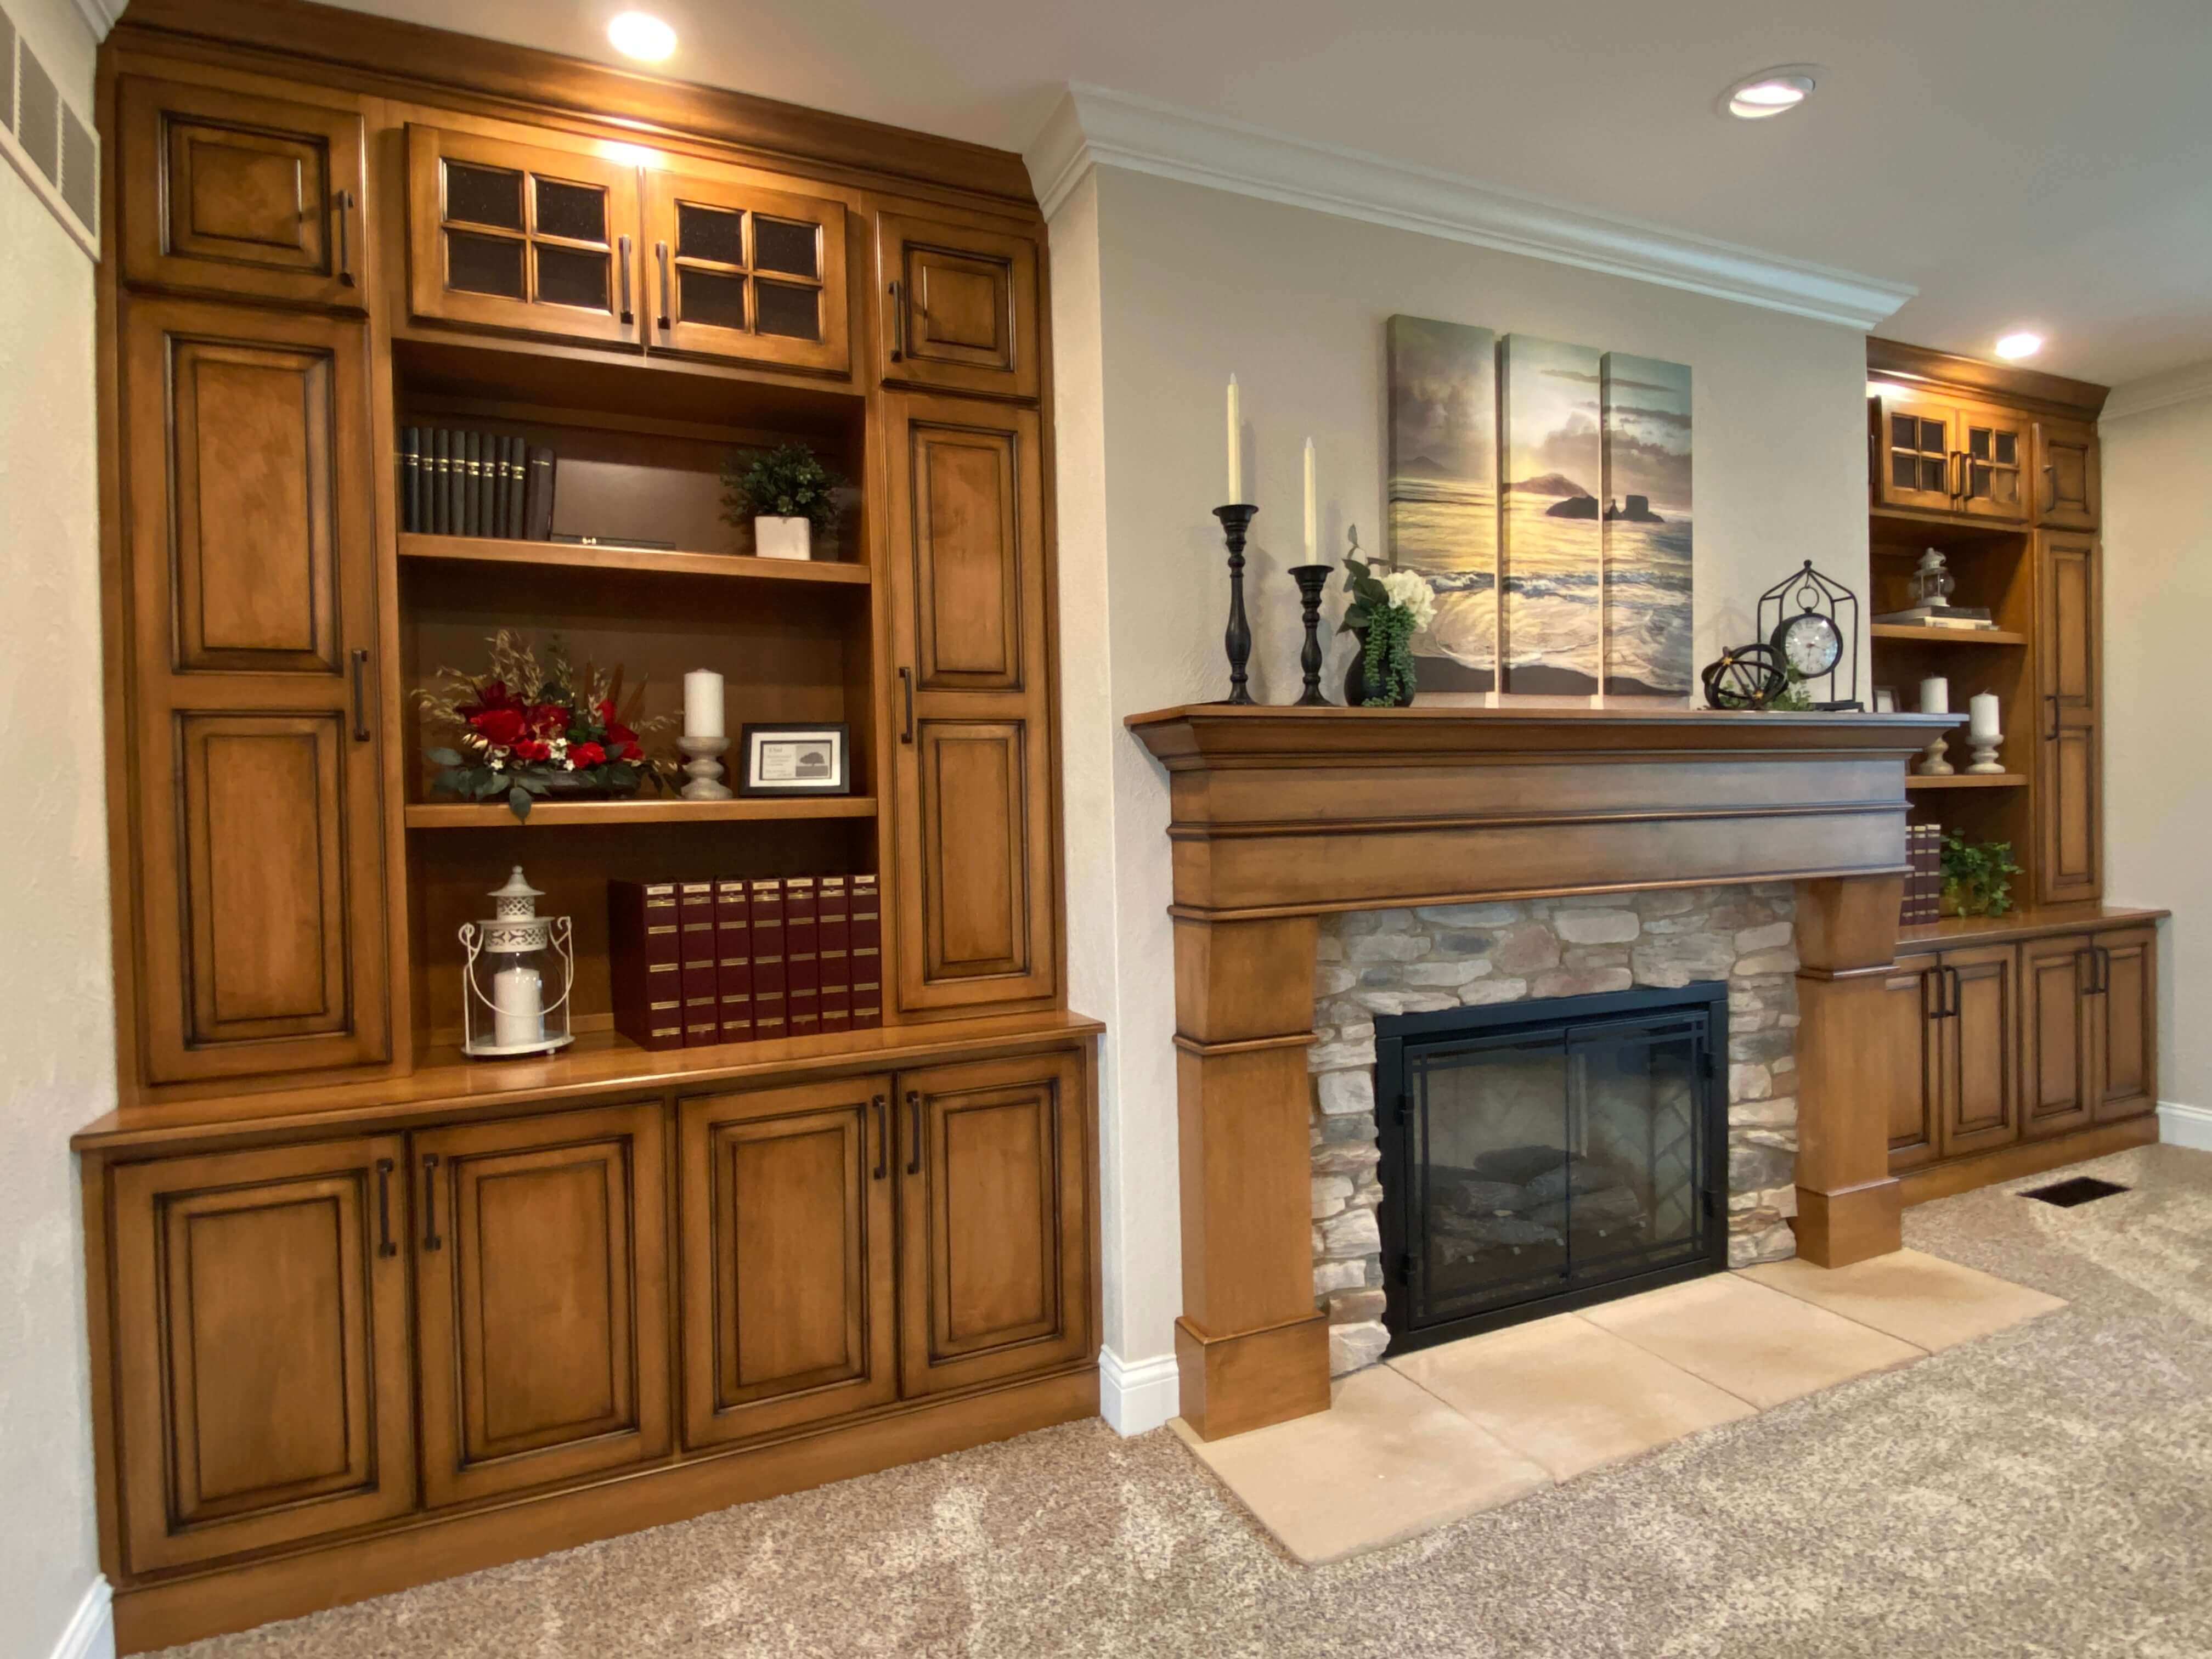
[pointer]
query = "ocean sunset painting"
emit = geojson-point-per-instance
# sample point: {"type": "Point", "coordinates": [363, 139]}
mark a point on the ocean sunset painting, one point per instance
{"type": "Point", "coordinates": [1444, 492]}
{"type": "Point", "coordinates": [1553, 619]}
{"type": "Point", "coordinates": [1647, 645]}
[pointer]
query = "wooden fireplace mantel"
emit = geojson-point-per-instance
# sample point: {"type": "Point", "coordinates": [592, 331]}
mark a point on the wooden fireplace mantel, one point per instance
{"type": "Point", "coordinates": [1281, 814]}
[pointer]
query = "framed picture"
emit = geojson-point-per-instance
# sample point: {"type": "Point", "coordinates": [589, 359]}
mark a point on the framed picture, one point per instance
{"type": "Point", "coordinates": [795, 758]}
{"type": "Point", "coordinates": [1885, 699]}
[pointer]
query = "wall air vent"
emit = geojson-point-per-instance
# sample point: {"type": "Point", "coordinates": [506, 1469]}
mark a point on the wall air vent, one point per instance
{"type": "Point", "coordinates": [50, 144]}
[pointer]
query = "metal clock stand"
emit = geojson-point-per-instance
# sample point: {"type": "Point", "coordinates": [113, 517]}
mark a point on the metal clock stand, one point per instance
{"type": "Point", "coordinates": [1807, 593]}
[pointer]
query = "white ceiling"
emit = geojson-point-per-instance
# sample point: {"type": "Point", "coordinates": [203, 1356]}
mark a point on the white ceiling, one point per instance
{"type": "Point", "coordinates": [2037, 163]}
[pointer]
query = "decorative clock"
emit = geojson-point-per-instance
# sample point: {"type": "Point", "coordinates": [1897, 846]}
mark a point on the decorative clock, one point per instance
{"type": "Point", "coordinates": [1804, 618]}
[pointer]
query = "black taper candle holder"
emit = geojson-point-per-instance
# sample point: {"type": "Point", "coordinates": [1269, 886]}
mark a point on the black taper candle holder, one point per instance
{"type": "Point", "coordinates": [1237, 639]}
{"type": "Point", "coordinates": [1311, 580]}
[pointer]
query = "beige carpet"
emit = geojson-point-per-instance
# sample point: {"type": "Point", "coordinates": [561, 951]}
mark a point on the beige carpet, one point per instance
{"type": "Point", "coordinates": [2044, 1491]}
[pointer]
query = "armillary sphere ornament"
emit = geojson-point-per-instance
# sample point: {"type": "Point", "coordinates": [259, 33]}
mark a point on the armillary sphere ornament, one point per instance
{"type": "Point", "coordinates": [1746, 676]}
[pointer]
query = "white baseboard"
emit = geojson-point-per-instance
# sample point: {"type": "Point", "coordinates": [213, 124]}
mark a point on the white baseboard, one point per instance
{"type": "Point", "coordinates": [1136, 1396]}
{"type": "Point", "coordinates": [2185, 1126]}
{"type": "Point", "coordinates": [91, 1632]}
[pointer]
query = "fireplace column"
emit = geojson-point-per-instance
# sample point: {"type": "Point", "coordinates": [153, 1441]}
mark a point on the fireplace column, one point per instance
{"type": "Point", "coordinates": [1251, 1348]}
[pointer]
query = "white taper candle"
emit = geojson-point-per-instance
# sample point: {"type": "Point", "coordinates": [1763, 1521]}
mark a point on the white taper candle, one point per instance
{"type": "Point", "coordinates": [1236, 448]}
{"type": "Point", "coordinates": [1313, 518]}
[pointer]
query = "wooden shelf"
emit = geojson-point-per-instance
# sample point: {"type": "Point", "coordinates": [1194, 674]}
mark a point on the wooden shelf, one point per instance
{"type": "Point", "coordinates": [2019, 924]}
{"type": "Point", "coordinates": [722, 567]}
{"type": "Point", "coordinates": [1956, 780]}
{"type": "Point", "coordinates": [494, 815]}
{"type": "Point", "coordinates": [1946, 635]}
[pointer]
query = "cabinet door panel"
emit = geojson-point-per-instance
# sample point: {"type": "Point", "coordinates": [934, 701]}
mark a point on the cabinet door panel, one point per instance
{"type": "Point", "coordinates": [1909, 1036]}
{"type": "Point", "coordinates": [2068, 808]}
{"type": "Point", "coordinates": [747, 273]}
{"type": "Point", "coordinates": [959, 306]}
{"type": "Point", "coordinates": [229, 192]}
{"type": "Point", "coordinates": [787, 1245]}
{"type": "Point", "coordinates": [541, 1259]}
{"type": "Point", "coordinates": [262, 1366]}
{"type": "Point", "coordinates": [995, 1227]}
{"type": "Point", "coordinates": [972, 557]}
{"type": "Point", "coordinates": [1993, 470]}
{"type": "Point", "coordinates": [1916, 446]}
{"type": "Point", "coordinates": [2055, 975]}
{"type": "Point", "coordinates": [2068, 488]}
{"type": "Point", "coordinates": [2123, 1017]}
{"type": "Point", "coordinates": [1981, 1099]}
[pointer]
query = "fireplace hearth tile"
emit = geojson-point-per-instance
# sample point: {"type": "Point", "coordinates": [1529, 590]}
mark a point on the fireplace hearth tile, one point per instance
{"type": "Point", "coordinates": [1923, 1299]}
{"type": "Point", "coordinates": [1568, 1393]}
{"type": "Point", "coordinates": [1755, 1342]}
{"type": "Point", "coordinates": [1389, 1461]}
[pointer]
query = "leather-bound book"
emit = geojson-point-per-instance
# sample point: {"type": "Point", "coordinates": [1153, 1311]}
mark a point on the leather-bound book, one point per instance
{"type": "Point", "coordinates": [703, 1001]}
{"type": "Point", "coordinates": [764, 900]}
{"type": "Point", "coordinates": [411, 478]}
{"type": "Point", "coordinates": [802, 972]}
{"type": "Point", "coordinates": [643, 941]}
{"type": "Point", "coordinates": [733, 961]}
{"type": "Point", "coordinates": [867, 928]}
{"type": "Point", "coordinates": [537, 511]}
{"type": "Point", "coordinates": [436, 468]}
{"type": "Point", "coordinates": [833, 908]}
{"type": "Point", "coordinates": [457, 483]}
{"type": "Point", "coordinates": [495, 484]}
{"type": "Point", "coordinates": [517, 487]}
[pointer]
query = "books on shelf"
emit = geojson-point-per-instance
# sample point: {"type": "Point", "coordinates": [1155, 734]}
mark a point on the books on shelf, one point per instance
{"type": "Point", "coordinates": [644, 960]}
{"type": "Point", "coordinates": [474, 483]}
{"type": "Point", "coordinates": [1923, 880]}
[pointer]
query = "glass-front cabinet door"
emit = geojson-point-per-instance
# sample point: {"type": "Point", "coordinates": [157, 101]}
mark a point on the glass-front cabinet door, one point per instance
{"type": "Point", "coordinates": [509, 236]}
{"type": "Point", "coordinates": [1916, 443]}
{"type": "Point", "coordinates": [1993, 464]}
{"type": "Point", "coordinates": [746, 273]}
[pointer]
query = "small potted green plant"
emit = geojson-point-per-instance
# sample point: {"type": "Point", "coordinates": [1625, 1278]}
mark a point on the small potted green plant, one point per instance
{"type": "Point", "coordinates": [1976, 877]}
{"type": "Point", "coordinates": [1385, 613]}
{"type": "Point", "coordinates": [788, 494]}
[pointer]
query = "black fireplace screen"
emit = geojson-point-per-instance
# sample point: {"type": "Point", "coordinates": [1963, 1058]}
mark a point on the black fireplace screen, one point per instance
{"type": "Point", "coordinates": [1540, 1157]}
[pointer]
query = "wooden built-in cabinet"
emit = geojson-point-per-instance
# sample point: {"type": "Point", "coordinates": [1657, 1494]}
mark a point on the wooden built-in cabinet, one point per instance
{"type": "Point", "coordinates": [2068, 475]}
{"type": "Point", "coordinates": [1942, 456]}
{"type": "Point", "coordinates": [746, 273]}
{"type": "Point", "coordinates": [958, 306]}
{"type": "Point", "coordinates": [2069, 811]}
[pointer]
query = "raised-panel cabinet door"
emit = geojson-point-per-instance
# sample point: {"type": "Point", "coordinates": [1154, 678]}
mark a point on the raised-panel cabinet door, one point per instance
{"type": "Point", "coordinates": [2123, 1021]}
{"type": "Point", "coordinates": [958, 306]}
{"type": "Point", "coordinates": [1994, 448]}
{"type": "Point", "coordinates": [541, 1290]}
{"type": "Point", "coordinates": [975, 845]}
{"type": "Point", "coordinates": [252, 678]}
{"type": "Point", "coordinates": [788, 1240]}
{"type": "Point", "coordinates": [1909, 1036]}
{"type": "Point", "coordinates": [2056, 1015]}
{"type": "Point", "coordinates": [2069, 489]}
{"type": "Point", "coordinates": [507, 236]}
{"type": "Point", "coordinates": [228, 192]}
{"type": "Point", "coordinates": [264, 1387]}
{"type": "Point", "coordinates": [2069, 812]}
{"type": "Point", "coordinates": [1916, 444]}
{"type": "Point", "coordinates": [1981, 1050]}
{"type": "Point", "coordinates": [745, 273]}
{"type": "Point", "coordinates": [994, 1223]}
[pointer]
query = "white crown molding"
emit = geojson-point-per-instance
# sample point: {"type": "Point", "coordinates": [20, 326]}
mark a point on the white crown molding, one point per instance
{"type": "Point", "coordinates": [2159, 391]}
{"type": "Point", "coordinates": [101, 14]}
{"type": "Point", "coordinates": [1094, 126]}
{"type": "Point", "coordinates": [2185, 1126]}
{"type": "Point", "coordinates": [91, 1632]}
{"type": "Point", "coordinates": [1135, 1396]}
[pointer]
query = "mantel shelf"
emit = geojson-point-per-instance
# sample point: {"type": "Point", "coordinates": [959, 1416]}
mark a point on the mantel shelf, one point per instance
{"type": "Point", "coordinates": [494, 815]}
{"type": "Point", "coordinates": [1967, 781]}
{"type": "Point", "coordinates": [1946, 635]}
{"type": "Point", "coordinates": [717, 567]}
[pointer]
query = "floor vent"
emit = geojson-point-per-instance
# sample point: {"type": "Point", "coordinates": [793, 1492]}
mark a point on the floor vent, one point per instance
{"type": "Point", "coordinates": [2082, 1189]}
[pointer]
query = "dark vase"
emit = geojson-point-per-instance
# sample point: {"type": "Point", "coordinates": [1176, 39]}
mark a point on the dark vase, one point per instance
{"type": "Point", "coordinates": [1355, 678]}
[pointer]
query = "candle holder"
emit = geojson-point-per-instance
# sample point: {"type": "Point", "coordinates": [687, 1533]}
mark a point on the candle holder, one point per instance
{"type": "Point", "coordinates": [1984, 749]}
{"type": "Point", "coordinates": [1237, 641]}
{"type": "Point", "coordinates": [703, 768]}
{"type": "Point", "coordinates": [1311, 580]}
{"type": "Point", "coordinates": [1933, 764]}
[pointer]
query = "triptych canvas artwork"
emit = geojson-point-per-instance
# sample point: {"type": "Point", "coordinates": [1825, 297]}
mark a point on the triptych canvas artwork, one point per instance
{"type": "Point", "coordinates": [1543, 490]}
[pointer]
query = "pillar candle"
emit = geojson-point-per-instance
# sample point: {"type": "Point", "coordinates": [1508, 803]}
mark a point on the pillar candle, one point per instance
{"type": "Point", "coordinates": [1982, 716]}
{"type": "Point", "coordinates": [702, 703]}
{"type": "Point", "coordinates": [1236, 448]}
{"type": "Point", "coordinates": [1936, 696]}
{"type": "Point", "coordinates": [1313, 520]}
{"type": "Point", "coordinates": [518, 1011]}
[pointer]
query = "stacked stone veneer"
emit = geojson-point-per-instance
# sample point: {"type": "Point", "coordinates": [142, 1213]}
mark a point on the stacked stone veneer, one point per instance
{"type": "Point", "coordinates": [1396, 962]}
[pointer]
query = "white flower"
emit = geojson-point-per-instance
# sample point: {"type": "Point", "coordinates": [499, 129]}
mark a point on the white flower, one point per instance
{"type": "Point", "coordinates": [1410, 589]}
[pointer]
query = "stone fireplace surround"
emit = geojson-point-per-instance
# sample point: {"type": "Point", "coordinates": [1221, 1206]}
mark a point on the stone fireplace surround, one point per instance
{"type": "Point", "coordinates": [1440, 956]}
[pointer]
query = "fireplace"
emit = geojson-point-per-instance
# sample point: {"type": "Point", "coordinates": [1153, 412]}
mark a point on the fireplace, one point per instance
{"type": "Point", "coordinates": [1538, 1157]}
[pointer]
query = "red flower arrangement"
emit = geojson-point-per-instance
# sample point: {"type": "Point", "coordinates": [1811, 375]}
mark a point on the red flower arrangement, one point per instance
{"type": "Point", "coordinates": [527, 729]}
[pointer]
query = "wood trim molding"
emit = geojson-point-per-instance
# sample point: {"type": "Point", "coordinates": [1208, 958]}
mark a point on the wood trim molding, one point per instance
{"type": "Point", "coordinates": [469, 64]}
{"type": "Point", "coordinates": [1095, 126]}
{"type": "Point", "coordinates": [2028, 387]}
{"type": "Point", "coordinates": [2175, 386]}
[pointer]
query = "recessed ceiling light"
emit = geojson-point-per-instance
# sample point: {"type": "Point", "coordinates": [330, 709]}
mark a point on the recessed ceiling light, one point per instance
{"type": "Point", "coordinates": [637, 35]}
{"type": "Point", "coordinates": [1770, 92]}
{"type": "Point", "coordinates": [2014, 347]}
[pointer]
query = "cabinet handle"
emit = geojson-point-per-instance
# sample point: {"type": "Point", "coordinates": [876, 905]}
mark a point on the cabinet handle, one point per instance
{"type": "Point", "coordinates": [384, 1245]}
{"type": "Point", "coordinates": [913, 1150]}
{"type": "Point", "coordinates": [430, 1239]}
{"type": "Point", "coordinates": [906, 680]}
{"type": "Point", "coordinates": [660, 252]}
{"type": "Point", "coordinates": [2089, 953]}
{"type": "Point", "coordinates": [628, 312]}
{"type": "Point", "coordinates": [360, 697]}
{"type": "Point", "coordinates": [1952, 974]}
{"type": "Point", "coordinates": [2103, 969]}
{"type": "Point", "coordinates": [1942, 988]}
{"type": "Point", "coordinates": [2051, 736]}
{"type": "Point", "coordinates": [898, 323]}
{"type": "Point", "coordinates": [344, 202]}
{"type": "Point", "coordinates": [883, 1140]}
{"type": "Point", "coordinates": [1958, 460]}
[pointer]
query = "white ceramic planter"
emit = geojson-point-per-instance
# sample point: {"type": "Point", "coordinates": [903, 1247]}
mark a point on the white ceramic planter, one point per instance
{"type": "Point", "coordinates": [783, 538]}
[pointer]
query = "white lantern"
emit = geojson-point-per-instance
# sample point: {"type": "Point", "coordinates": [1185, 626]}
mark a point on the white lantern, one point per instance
{"type": "Point", "coordinates": [514, 987]}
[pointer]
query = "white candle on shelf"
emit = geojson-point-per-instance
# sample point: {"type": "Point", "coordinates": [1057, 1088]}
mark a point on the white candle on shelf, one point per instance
{"type": "Point", "coordinates": [1313, 518]}
{"type": "Point", "coordinates": [518, 1011]}
{"type": "Point", "coordinates": [1982, 716]}
{"type": "Point", "coordinates": [1236, 447]}
{"type": "Point", "coordinates": [702, 703]}
{"type": "Point", "coordinates": [1936, 696]}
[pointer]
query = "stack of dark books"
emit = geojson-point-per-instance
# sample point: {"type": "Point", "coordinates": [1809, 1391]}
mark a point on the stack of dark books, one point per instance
{"type": "Point", "coordinates": [1923, 880]}
{"type": "Point", "coordinates": [474, 483]}
{"type": "Point", "coordinates": [739, 960]}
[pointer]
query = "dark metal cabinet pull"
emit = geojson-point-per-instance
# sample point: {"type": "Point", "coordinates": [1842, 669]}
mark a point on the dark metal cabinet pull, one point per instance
{"type": "Point", "coordinates": [343, 200]}
{"type": "Point", "coordinates": [1942, 994]}
{"type": "Point", "coordinates": [660, 252]}
{"type": "Point", "coordinates": [384, 1245]}
{"type": "Point", "coordinates": [883, 1140]}
{"type": "Point", "coordinates": [906, 683]}
{"type": "Point", "coordinates": [360, 697]}
{"type": "Point", "coordinates": [913, 1152]}
{"type": "Point", "coordinates": [430, 1239]}
{"type": "Point", "coordinates": [2051, 736]}
{"type": "Point", "coordinates": [898, 323]}
{"type": "Point", "coordinates": [1952, 974]}
{"type": "Point", "coordinates": [621, 247]}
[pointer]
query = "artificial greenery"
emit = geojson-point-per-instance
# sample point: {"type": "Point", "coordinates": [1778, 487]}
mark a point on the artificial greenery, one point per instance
{"type": "Point", "coordinates": [1386, 612]}
{"type": "Point", "coordinates": [1978, 875]}
{"type": "Point", "coordinates": [785, 483]}
{"type": "Point", "coordinates": [1794, 699]}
